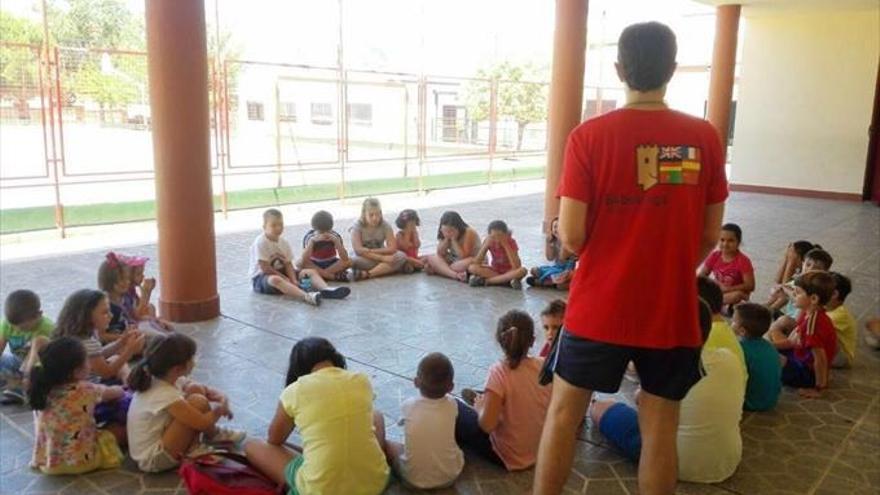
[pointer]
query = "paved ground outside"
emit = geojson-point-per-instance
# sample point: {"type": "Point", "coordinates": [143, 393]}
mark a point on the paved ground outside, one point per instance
{"type": "Point", "coordinates": [827, 446]}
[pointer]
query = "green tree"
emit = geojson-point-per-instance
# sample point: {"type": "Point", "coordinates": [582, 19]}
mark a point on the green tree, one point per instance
{"type": "Point", "coordinates": [518, 96]}
{"type": "Point", "coordinates": [96, 24]}
{"type": "Point", "coordinates": [19, 66]}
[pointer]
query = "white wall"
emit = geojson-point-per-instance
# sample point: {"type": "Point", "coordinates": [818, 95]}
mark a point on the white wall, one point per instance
{"type": "Point", "coordinates": [805, 97]}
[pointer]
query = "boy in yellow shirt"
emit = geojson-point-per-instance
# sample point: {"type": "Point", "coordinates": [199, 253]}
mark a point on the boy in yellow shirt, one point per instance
{"type": "Point", "coordinates": [844, 323]}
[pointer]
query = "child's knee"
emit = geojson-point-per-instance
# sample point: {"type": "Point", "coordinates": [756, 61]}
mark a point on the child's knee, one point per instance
{"type": "Point", "coordinates": [274, 280]}
{"type": "Point", "coordinates": [199, 402]}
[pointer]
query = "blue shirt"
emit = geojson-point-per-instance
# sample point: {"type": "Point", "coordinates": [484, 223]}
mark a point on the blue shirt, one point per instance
{"type": "Point", "coordinates": [765, 375]}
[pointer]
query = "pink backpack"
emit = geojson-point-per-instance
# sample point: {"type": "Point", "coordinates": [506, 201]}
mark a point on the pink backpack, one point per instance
{"type": "Point", "coordinates": [225, 474]}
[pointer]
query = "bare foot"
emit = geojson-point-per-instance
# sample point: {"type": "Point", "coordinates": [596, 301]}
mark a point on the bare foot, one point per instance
{"type": "Point", "coordinates": [462, 276]}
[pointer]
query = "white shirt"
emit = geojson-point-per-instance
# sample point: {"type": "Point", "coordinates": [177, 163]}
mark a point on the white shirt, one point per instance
{"type": "Point", "coordinates": [148, 417]}
{"type": "Point", "coordinates": [431, 457]}
{"type": "Point", "coordinates": [709, 441]}
{"type": "Point", "coordinates": [275, 252]}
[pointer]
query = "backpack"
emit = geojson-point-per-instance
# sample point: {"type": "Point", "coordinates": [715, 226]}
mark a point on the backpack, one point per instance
{"type": "Point", "coordinates": [225, 473]}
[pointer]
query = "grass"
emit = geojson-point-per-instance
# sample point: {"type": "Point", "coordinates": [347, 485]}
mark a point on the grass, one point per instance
{"type": "Point", "coordinates": [43, 217]}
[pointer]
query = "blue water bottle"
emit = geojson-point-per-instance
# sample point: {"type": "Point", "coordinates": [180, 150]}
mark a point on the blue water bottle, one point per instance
{"type": "Point", "coordinates": [305, 283]}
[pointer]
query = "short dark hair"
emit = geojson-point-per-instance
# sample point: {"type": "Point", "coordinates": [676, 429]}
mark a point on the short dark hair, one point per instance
{"type": "Point", "coordinates": [735, 229]}
{"type": "Point", "coordinates": [803, 247]}
{"type": "Point", "coordinates": [555, 307]}
{"type": "Point", "coordinates": [820, 255]}
{"type": "Point", "coordinates": [307, 353]}
{"type": "Point", "coordinates": [20, 306]}
{"type": "Point", "coordinates": [842, 285]}
{"type": "Point", "coordinates": [498, 225]}
{"type": "Point", "coordinates": [271, 213]}
{"type": "Point", "coordinates": [515, 334]}
{"type": "Point", "coordinates": [435, 375]}
{"type": "Point", "coordinates": [710, 291]}
{"type": "Point", "coordinates": [754, 318]}
{"type": "Point", "coordinates": [405, 216]}
{"type": "Point", "coordinates": [646, 55]}
{"type": "Point", "coordinates": [816, 283]}
{"type": "Point", "coordinates": [322, 221]}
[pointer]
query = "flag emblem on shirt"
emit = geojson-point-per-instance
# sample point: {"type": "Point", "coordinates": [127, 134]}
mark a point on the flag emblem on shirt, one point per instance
{"type": "Point", "coordinates": [673, 165]}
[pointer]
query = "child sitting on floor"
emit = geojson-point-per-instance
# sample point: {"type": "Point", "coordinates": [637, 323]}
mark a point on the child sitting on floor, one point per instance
{"type": "Point", "coordinates": [68, 440]}
{"type": "Point", "coordinates": [558, 274]}
{"type": "Point", "coordinates": [86, 314]}
{"type": "Point", "coordinates": [751, 321]}
{"type": "Point", "coordinates": [343, 437]}
{"type": "Point", "coordinates": [429, 458]}
{"type": "Point", "coordinates": [843, 321]}
{"type": "Point", "coordinates": [811, 348]}
{"type": "Point", "coordinates": [271, 267]}
{"type": "Point", "coordinates": [730, 267]}
{"type": "Point", "coordinates": [505, 267]}
{"type": "Point", "coordinates": [408, 240]}
{"type": "Point", "coordinates": [136, 301]}
{"type": "Point", "coordinates": [25, 331]}
{"type": "Point", "coordinates": [169, 413]}
{"type": "Point", "coordinates": [552, 317]}
{"type": "Point", "coordinates": [815, 260]}
{"type": "Point", "coordinates": [113, 279]}
{"type": "Point", "coordinates": [374, 244]}
{"type": "Point", "coordinates": [789, 268]}
{"type": "Point", "coordinates": [505, 423]}
{"type": "Point", "coordinates": [324, 251]}
{"type": "Point", "coordinates": [457, 246]}
{"type": "Point", "coordinates": [721, 336]}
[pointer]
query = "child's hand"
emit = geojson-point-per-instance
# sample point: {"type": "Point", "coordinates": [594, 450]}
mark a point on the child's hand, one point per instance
{"type": "Point", "coordinates": [135, 343]}
{"type": "Point", "coordinates": [149, 284]}
{"type": "Point", "coordinates": [224, 408]}
{"type": "Point", "coordinates": [810, 393]}
{"type": "Point", "coordinates": [479, 402]}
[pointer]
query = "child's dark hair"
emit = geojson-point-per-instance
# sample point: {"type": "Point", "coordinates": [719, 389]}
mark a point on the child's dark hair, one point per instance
{"type": "Point", "coordinates": [803, 247]}
{"type": "Point", "coordinates": [307, 353]}
{"type": "Point", "coordinates": [109, 272]}
{"type": "Point", "coordinates": [21, 306]}
{"type": "Point", "coordinates": [710, 291]}
{"type": "Point", "coordinates": [165, 352]}
{"type": "Point", "coordinates": [435, 375]}
{"type": "Point", "coordinates": [820, 255]}
{"type": "Point", "coordinates": [754, 318]}
{"type": "Point", "coordinates": [322, 221]}
{"type": "Point", "coordinates": [816, 283]}
{"type": "Point", "coordinates": [646, 55]}
{"type": "Point", "coordinates": [271, 213]}
{"type": "Point", "coordinates": [75, 319]}
{"type": "Point", "coordinates": [515, 334]}
{"type": "Point", "coordinates": [498, 225]}
{"type": "Point", "coordinates": [452, 219]}
{"type": "Point", "coordinates": [58, 362]}
{"type": "Point", "coordinates": [842, 285]}
{"type": "Point", "coordinates": [556, 307]}
{"type": "Point", "coordinates": [406, 216]}
{"type": "Point", "coordinates": [735, 229]}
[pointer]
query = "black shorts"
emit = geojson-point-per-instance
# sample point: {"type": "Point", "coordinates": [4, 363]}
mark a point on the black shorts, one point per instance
{"type": "Point", "coordinates": [599, 366]}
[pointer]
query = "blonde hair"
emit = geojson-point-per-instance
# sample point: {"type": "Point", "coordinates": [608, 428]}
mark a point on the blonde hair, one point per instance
{"type": "Point", "coordinates": [369, 203]}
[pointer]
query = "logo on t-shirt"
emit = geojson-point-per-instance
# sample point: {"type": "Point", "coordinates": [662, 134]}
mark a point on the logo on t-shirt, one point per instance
{"type": "Point", "coordinates": [673, 165]}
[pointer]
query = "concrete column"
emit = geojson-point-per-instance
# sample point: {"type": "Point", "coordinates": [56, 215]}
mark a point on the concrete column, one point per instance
{"type": "Point", "coordinates": [178, 70]}
{"type": "Point", "coordinates": [723, 69]}
{"type": "Point", "coordinates": [566, 92]}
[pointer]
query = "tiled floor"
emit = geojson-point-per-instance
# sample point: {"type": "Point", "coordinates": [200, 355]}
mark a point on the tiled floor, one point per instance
{"type": "Point", "coordinates": [830, 445]}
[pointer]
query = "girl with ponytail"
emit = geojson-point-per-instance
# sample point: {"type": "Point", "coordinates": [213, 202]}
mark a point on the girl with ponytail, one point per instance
{"type": "Point", "coordinates": [68, 440]}
{"type": "Point", "coordinates": [170, 414]}
{"type": "Point", "coordinates": [504, 425]}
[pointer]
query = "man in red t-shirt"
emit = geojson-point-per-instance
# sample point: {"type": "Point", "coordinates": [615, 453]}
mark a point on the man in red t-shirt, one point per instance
{"type": "Point", "coordinates": [642, 199]}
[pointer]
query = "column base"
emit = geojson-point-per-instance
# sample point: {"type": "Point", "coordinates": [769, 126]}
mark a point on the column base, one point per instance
{"type": "Point", "coordinates": [190, 311]}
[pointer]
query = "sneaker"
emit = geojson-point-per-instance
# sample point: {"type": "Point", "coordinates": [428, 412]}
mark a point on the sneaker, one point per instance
{"type": "Point", "coordinates": [14, 396]}
{"type": "Point", "coordinates": [469, 395]}
{"type": "Point", "coordinates": [343, 276]}
{"type": "Point", "coordinates": [516, 284]}
{"type": "Point", "coordinates": [313, 298]}
{"type": "Point", "coordinates": [227, 435]}
{"type": "Point", "coordinates": [476, 281]}
{"type": "Point", "coordinates": [335, 292]}
{"type": "Point", "coordinates": [532, 281]}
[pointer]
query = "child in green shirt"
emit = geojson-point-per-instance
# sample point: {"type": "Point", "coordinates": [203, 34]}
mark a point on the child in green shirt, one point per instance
{"type": "Point", "coordinates": [25, 331]}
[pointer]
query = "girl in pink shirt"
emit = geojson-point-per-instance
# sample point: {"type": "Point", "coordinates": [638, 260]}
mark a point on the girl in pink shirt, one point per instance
{"type": "Point", "coordinates": [504, 426]}
{"type": "Point", "coordinates": [730, 267]}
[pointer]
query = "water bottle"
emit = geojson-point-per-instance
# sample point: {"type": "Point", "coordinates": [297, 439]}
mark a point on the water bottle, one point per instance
{"type": "Point", "coordinates": [305, 282]}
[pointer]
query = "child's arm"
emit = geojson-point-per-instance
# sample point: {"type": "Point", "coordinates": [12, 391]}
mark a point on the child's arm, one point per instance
{"type": "Point", "coordinates": [143, 306]}
{"type": "Point", "coordinates": [123, 348]}
{"type": "Point", "coordinates": [481, 255]}
{"type": "Point", "coordinates": [467, 246]}
{"type": "Point", "coordinates": [340, 248]}
{"type": "Point", "coordinates": [442, 247]}
{"type": "Point", "coordinates": [488, 406]}
{"type": "Point", "coordinates": [748, 284]}
{"type": "Point", "coordinates": [402, 242]}
{"type": "Point", "coordinates": [307, 251]}
{"type": "Point", "coordinates": [416, 242]}
{"type": "Point", "coordinates": [512, 254]}
{"type": "Point", "coordinates": [820, 369]}
{"type": "Point", "coordinates": [280, 427]}
{"type": "Point", "coordinates": [112, 393]}
{"type": "Point", "coordinates": [289, 272]}
{"type": "Point", "coordinates": [267, 269]}
{"type": "Point", "coordinates": [390, 245]}
{"type": "Point", "coordinates": [184, 412]}
{"type": "Point", "coordinates": [551, 248]}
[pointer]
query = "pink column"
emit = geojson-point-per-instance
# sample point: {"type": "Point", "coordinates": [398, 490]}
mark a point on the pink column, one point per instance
{"type": "Point", "coordinates": [723, 69]}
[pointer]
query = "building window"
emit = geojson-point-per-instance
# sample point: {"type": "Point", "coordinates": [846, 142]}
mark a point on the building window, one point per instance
{"type": "Point", "coordinates": [255, 110]}
{"type": "Point", "coordinates": [322, 113]}
{"type": "Point", "coordinates": [287, 111]}
{"type": "Point", "coordinates": [360, 114]}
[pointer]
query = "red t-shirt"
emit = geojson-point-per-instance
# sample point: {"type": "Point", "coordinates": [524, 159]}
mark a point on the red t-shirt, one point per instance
{"type": "Point", "coordinates": [646, 177]}
{"type": "Point", "coordinates": [500, 263]}
{"type": "Point", "coordinates": [728, 273]}
{"type": "Point", "coordinates": [815, 330]}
